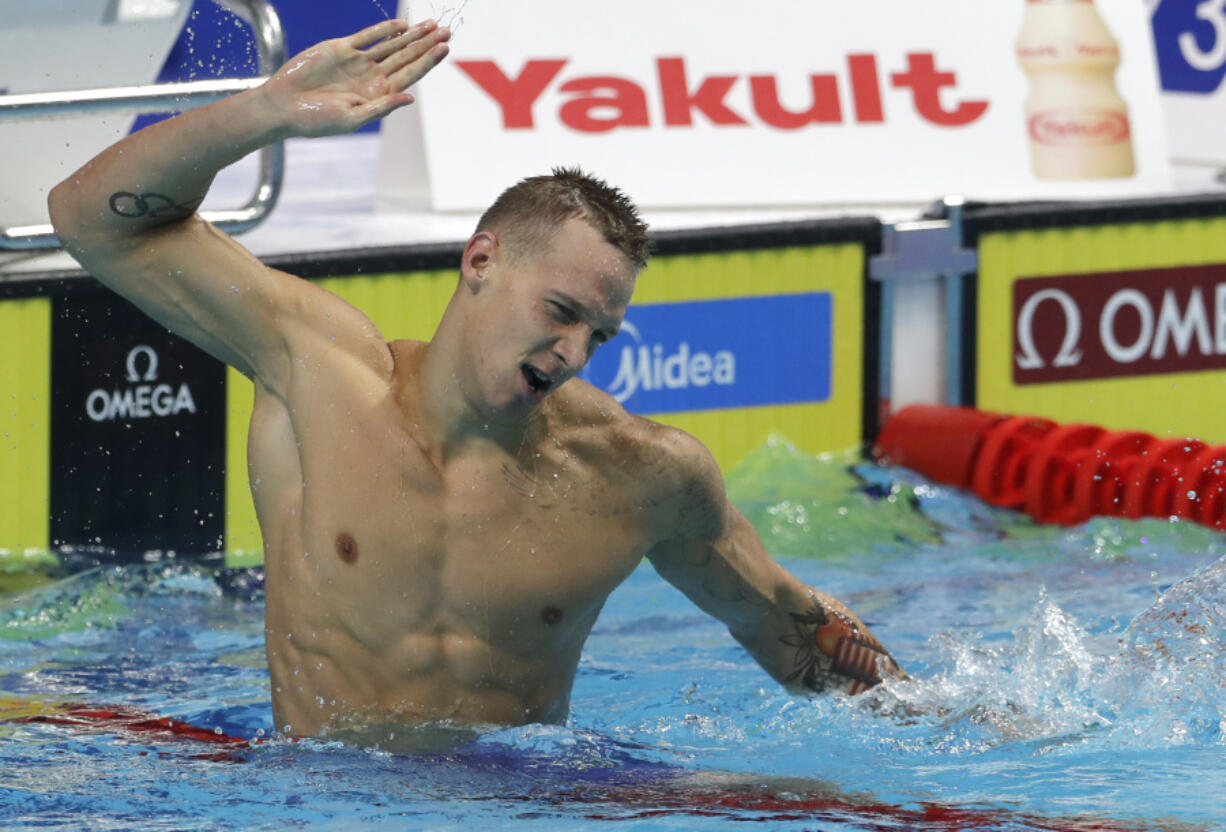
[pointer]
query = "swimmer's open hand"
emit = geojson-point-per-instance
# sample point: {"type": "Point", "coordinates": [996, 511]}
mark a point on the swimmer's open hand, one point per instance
{"type": "Point", "coordinates": [340, 85]}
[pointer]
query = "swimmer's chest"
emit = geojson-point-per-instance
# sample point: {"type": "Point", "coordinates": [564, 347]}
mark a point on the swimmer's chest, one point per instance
{"type": "Point", "coordinates": [488, 545]}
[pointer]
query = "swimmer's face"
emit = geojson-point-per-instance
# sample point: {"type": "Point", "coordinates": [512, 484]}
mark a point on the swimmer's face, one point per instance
{"type": "Point", "coordinates": [543, 315]}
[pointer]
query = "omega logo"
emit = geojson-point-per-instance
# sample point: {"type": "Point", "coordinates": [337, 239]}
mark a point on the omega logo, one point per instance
{"type": "Point", "coordinates": [1163, 326]}
{"type": "Point", "coordinates": [1068, 356]}
{"type": "Point", "coordinates": [151, 373]}
{"type": "Point", "coordinates": [140, 401]}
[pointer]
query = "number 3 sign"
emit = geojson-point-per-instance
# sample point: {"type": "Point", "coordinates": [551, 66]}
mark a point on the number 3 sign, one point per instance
{"type": "Point", "coordinates": [1190, 38]}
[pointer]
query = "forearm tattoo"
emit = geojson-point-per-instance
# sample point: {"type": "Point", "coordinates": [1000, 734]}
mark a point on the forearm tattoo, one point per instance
{"type": "Point", "coordinates": [832, 652]}
{"type": "Point", "coordinates": [158, 206]}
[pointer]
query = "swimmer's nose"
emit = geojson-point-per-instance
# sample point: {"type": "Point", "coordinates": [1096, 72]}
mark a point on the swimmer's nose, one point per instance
{"type": "Point", "coordinates": [574, 349]}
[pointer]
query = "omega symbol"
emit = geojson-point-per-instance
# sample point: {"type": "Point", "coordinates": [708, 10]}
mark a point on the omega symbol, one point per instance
{"type": "Point", "coordinates": [1068, 356]}
{"type": "Point", "coordinates": [151, 373]}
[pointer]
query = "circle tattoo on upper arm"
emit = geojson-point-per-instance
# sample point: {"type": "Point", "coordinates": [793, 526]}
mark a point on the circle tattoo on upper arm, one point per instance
{"type": "Point", "coordinates": [149, 204]}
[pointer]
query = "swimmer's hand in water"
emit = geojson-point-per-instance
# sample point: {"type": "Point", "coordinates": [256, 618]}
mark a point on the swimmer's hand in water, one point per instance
{"type": "Point", "coordinates": [340, 85]}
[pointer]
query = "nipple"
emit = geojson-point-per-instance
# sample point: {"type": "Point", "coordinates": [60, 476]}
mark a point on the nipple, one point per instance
{"type": "Point", "coordinates": [551, 615]}
{"type": "Point", "coordinates": [347, 547]}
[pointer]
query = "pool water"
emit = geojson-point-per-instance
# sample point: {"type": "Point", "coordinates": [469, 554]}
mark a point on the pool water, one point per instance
{"type": "Point", "coordinates": [1063, 679]}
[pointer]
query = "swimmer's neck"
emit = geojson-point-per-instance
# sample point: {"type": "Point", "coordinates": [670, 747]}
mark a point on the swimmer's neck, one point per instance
{"type": "Point", "coordinates": [445, 418]}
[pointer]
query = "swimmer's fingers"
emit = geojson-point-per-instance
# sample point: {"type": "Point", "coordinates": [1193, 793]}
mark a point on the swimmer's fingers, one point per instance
{"type": "Point", "coordinates": [405, 36]}
{"type": "Point", "coordinates": [374, 34]}
{"type": "Point", "coordinates": [407, 65]}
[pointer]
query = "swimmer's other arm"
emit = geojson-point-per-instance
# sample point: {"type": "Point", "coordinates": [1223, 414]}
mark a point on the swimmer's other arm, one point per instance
{"type": "Point", "coordinates": [804, 638]}
{"type": "Point", "coordinates": [129, 215]}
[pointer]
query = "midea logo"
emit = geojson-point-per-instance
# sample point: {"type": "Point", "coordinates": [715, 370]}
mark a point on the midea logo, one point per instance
{"type": "Point", "coordinates": [142, 400]}
{"type": "Point", "coordinates": [647, 367]}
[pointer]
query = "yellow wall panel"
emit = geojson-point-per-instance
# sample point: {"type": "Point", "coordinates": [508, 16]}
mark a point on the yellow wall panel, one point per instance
{"type": "Point", "coordinates": [1178, 404]}
{"type": "Point", "coordinates": [243, 543]}
{"type": "Point", "coordinates": [25, 418]}
{"type": "Point", "coordinates": [817, 427]}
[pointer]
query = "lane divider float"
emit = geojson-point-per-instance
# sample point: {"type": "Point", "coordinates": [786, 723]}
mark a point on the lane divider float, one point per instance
{"type": "Point", "coordinates": [1058, 473]}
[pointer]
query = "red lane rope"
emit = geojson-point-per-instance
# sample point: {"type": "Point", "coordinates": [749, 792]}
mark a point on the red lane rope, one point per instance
{"type": "Point", "coordinates": [1059, 473]}
{"type": "Point", "coordinates": [643, 802]}
{"type": "Point", "coordinates": [124, 720]}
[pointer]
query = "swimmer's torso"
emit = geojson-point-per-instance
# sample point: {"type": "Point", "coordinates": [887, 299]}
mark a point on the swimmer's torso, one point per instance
{"type": "Point", "coordinates": [399, 593]}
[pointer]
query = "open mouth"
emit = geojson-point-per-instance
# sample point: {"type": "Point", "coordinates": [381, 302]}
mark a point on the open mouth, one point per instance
{"type": "Point", "coordinates": [538, 382]}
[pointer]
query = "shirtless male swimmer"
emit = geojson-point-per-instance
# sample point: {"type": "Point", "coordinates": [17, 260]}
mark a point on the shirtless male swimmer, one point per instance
{"type": "Point", "coordinates": [442, 521]}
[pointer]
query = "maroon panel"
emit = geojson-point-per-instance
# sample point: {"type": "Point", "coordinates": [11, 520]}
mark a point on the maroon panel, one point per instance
{"type": "Point", "coordinates": [1134, 323]}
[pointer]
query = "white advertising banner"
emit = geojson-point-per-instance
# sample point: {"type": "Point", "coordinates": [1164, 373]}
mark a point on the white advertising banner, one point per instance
{"type": "Point", "coordinates": [795, 102]}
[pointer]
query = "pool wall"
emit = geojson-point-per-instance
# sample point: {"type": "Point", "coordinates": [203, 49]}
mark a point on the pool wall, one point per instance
{"type": "Point", "coordinates": [1112, 314]}
{"type": "Point", "coordinates": [121, 439]}
{"type": "Point", "coordinates": [131, 442]}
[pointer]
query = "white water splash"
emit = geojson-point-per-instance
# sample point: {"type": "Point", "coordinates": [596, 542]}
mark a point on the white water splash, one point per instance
{"type": "Point", "coordinates": [1170, 674]}
{"type": "Point", "coordinates": [1162, 683]}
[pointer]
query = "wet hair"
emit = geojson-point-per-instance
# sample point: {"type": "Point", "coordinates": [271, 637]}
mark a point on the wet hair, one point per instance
{"type": "Point", "coordinates": [528, 215]}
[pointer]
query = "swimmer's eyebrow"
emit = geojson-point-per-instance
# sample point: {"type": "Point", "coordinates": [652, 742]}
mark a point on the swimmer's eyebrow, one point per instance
{"type": "Point", "coordinates": [609, 333]}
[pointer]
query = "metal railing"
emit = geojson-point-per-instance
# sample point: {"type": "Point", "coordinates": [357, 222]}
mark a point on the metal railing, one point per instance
{"type": "Point", "coordinates": [157, 98]}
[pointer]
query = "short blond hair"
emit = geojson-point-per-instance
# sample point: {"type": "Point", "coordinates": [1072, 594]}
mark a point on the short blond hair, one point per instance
{"type": "Point", "coordinates": [528, 215]}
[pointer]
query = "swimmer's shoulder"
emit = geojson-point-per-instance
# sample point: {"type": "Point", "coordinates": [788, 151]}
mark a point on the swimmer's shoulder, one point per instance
{"type": "Point", "coordinates": [586, 408]}
{"type": "Point", "coordinates": [669, 465]}
{"type": "Point", "coordinates": [583, 406]}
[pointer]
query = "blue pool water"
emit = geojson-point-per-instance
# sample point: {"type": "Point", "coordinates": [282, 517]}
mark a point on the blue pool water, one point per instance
{"type": "Point", "coordinates": [1064, 679]}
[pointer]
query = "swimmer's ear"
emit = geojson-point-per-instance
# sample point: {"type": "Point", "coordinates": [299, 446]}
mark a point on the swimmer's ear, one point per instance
{"type": "Point", "coordinates": [477, 259]}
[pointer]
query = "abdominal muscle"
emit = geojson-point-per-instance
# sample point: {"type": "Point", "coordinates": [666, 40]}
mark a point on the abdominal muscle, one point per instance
{"type": "Point", "coordinates": [430, 693]}
{"type": "Point", "coordinates": [351, 659]}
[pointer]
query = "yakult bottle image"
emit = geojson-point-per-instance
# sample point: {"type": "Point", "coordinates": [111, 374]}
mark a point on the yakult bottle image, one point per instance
{"type": "Point", "coordinates": [1077, 122]}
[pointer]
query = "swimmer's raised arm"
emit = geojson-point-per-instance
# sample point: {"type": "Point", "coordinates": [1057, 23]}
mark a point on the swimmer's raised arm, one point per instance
{"type": "Point", "coordinates": [804, 638]}
{"type": "Point", "coordinates": [129, 215]}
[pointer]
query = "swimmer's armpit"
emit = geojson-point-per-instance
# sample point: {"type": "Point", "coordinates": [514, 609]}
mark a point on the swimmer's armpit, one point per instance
{"type": "Point", "coordinates": [157, 206]}
{"type": "Point", "coordinates": [833, 652]}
